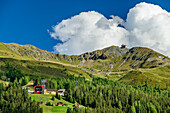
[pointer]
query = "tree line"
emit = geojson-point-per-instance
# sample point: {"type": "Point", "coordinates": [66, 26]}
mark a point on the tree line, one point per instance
{"type": "Point", "coordinates": [99, 95]}
{"type": "Point", "coordinates": [103, 96]}
{"type": "Point", "coordinates": [14, 99]}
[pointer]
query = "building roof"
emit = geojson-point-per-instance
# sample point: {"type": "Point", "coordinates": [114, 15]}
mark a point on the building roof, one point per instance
{"type": "Point", "coordinates": [59, 103]}
{"type": "Point", "coordinates": [61, 89]}
{"type": "Point", "coordinates": [51, 90]}
{"type": "Point", "coordinates": [123, 46]}
{"type": "Point", "coordinates": [64, 105]}
{"type": "Point", "coordinates": [38, 86]}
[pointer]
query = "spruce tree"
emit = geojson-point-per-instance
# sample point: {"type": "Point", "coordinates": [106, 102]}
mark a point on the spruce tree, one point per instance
{"type": "Point", "coordinates": [69, 110]}
{"type": "Point", "coordinates": [132, 109]}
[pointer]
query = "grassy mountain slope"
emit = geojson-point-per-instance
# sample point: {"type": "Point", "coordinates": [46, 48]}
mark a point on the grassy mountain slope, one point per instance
{"type": "Point", "coordinates": [6, 52]}
{"type": "Point", "coordinates": [155, 76]}
{"type": "Point", "coordinates": [37, 68]}
{"type": "Point", "coordinates": [112, 63]}
{"type": "Point", "coordinates": [120, 59]}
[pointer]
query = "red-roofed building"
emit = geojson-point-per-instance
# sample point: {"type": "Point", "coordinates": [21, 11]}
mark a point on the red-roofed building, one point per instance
{"type": "Point", "coordinates": [65, 105]}
{"type": "Point", "coordinates": [38, 89]}
{"type": "Point", "coordinates": [61, 91]}
{"type": "Point", "coordinates": [40, 102]}
{"type": "Point", "coordinates": [60, 104]}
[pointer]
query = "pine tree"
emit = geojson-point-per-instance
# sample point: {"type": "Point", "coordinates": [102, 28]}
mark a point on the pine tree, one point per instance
{"type": "Point", "coordinates": [140, 86]}
{"type": "Point", "coordinates": [132, 109]}
{"type": "Point", "coordinates": [69, 110]}
{"type": "Point", "coordinates": [57, 95]}
{"type": "Point", "coordinates": [53, 98]}
{"type": "Point", "coordinates": [120, 105]}
{"type": "Point", "coordinates": [166, 86]}
{"type": "Point", "coordinates": [153, 109]}
{"type": "Point", "coordinates": [71, 98]}
{"type": "Point", "coordinates": [159, 89]}
{"type": "Point", "coordinates": [146, 83]}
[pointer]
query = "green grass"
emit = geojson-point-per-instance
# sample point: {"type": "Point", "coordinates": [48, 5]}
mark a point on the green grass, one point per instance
{"type": "Point", "coordinates": [52, 109]}
{"type": "Point", "coordinates": [5, 52]}
{"type": "Point", "coordinates": [29, 52]}
{"type": "Point", "coordinates": [59, 109]}
{"type": "Point", "coordinates": [46, 109]}
{"type": "Point", "coordinates": [43, 69]}
{"type": "Point", "coordinates": [26, 59]}
{"type": "Point", "coordinates": [115, 76]}
{"type": "Point", "coordinates": [159, 76]}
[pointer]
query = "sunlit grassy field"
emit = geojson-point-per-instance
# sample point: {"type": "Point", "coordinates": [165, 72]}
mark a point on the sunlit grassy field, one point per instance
{"type": "Point", "coordinates": [156, 76]}
{"type": "Point", "coordinates": [54, 108]}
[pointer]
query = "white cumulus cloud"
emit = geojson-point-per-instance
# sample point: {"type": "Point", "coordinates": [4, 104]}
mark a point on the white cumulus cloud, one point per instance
{"type": "Point", "coordinates": [88, 31]}
{"type": "Point", "coordinates": [149, 26]}
{"type": "Point", "coordinates": [146, 25]}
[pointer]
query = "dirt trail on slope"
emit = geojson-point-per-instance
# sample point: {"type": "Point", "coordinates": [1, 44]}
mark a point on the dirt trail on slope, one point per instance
{"type": "Point", "coordinates": [61, 63]}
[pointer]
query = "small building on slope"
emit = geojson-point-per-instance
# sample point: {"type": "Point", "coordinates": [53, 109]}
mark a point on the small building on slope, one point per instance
{"type": "Point", "coordinates": [53, 91]}
{"type": "Point", "coordinates": [123, 46]}
{"type": "Point", "coordinates": [50, 91]}
{"type": "Point", "coordinates": [61, 92]}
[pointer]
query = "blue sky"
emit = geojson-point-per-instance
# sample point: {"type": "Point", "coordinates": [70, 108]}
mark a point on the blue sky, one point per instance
{"type": "Point", "coordinates": [27, 21]}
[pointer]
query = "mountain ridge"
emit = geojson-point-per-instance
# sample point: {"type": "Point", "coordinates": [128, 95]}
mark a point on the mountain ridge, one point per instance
{"type": "Point", "coordinates": [136, 57]}
{"type": "Point", "coordinates": [112, 63]}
